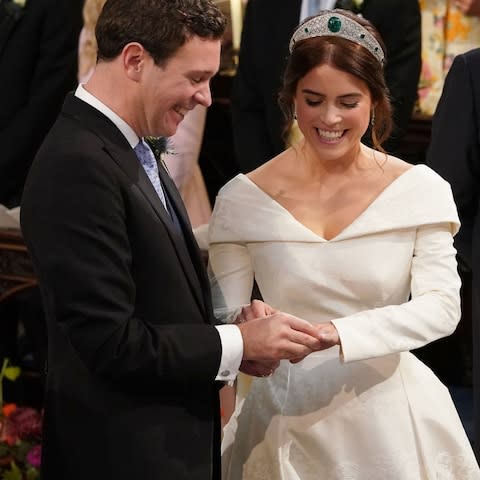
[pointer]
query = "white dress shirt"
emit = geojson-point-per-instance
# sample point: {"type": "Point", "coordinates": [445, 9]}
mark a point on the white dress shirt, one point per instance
{"type": "Point", "coordinates": [323, 5]}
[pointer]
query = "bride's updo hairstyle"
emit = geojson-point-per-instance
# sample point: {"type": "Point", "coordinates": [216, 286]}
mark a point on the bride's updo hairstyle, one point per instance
{"type": "Point", "coordinates": [349, 43]}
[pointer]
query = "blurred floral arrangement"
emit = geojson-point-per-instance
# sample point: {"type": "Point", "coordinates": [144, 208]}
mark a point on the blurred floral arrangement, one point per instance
{"type": "Point", "coordinates": [20, 435]}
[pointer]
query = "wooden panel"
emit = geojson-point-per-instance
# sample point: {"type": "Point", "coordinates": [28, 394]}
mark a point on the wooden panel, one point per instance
{"type": "Point", "coordinates": [16, 270]}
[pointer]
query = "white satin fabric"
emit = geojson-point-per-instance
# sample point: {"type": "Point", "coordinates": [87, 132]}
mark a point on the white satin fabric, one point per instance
{"type": "Point", "coordinates": [377, 413]}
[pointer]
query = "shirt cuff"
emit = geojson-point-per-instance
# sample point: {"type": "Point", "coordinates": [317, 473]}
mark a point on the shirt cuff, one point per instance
{"type": "Point", "coordinates": [232, 352]}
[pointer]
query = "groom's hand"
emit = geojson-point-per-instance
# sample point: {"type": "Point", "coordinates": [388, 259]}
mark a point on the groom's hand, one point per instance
{"type": "Point", "coordinates": [278, 336]}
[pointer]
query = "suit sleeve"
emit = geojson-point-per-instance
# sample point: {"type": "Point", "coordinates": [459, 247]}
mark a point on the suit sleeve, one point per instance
{"type": "Point", "coordinates": [54, 73]}
{"type": "Point", "coordinates": [454, 147]}
{"type": "Point", "coordinates": [399, 24]}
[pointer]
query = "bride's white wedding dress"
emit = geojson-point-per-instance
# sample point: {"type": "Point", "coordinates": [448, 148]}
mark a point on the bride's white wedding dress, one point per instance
{"type": "Point", "coordinates": [373, 412]}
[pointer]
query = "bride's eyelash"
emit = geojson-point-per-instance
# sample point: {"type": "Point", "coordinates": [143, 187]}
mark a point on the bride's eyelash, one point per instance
{"type": "Point", "coordinates": [313, 103]}
{"type": "Point", "coordinates": [350, 104]}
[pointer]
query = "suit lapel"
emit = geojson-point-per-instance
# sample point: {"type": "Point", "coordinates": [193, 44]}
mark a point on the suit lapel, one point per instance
{"type": "Point", "coordinates": [190, 243]}
{"type": "Point", "coordinates": [132, 167]}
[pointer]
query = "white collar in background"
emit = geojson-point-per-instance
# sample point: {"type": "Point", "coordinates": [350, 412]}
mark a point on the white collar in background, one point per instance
{"type": "Point", "coordinates": [324, 5]}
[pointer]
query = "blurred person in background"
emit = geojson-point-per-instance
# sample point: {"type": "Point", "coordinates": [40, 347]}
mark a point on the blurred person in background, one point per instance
{"type": "Point", "coordinates": [454, 152]}
{"type": "Point", "coordinates": [38, 66]}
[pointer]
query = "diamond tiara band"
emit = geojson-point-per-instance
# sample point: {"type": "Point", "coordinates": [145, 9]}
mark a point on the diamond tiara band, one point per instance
{"type": "Point", "coordinates": [335, 24]}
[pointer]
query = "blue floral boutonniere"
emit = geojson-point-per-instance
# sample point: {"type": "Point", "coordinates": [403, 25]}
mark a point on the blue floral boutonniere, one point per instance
{"type": "Point", "coordinates": [159, 146]}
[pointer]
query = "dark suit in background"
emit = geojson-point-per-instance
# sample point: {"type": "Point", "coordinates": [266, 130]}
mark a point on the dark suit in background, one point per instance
{"type": "Point", "coordinates": [257, 118]}
{"type": "Point", "coordinates": [454, 152]}
{"type": "Point", "coordinates": [38, 66]}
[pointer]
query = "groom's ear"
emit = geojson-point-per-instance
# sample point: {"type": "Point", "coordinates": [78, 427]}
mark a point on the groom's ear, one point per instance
{"type": "Point", "coordinates": [134, 60]}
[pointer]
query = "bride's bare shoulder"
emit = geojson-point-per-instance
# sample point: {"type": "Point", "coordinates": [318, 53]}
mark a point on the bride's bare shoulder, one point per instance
{"type": "Point", "coordinates": [271, 171]}
{"type": "Point", "coordinates": [390, 164]}
{"type": "Point", "coordinates": [398, 163]}
{"type": "Point", "coordinates": [397, 166]}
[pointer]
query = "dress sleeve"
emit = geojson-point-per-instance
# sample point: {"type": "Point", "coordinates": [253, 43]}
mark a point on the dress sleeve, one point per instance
{"type": "Point", "coordinates": [229, 266]}
{"type": "Point", "coordinates": [433, 311]}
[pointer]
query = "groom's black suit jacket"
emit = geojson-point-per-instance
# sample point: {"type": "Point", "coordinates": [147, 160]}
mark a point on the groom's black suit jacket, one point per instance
{"type": "Point", "coordinates": [133, 352]}
{"type": "Point", "coordinates": [257, 119]}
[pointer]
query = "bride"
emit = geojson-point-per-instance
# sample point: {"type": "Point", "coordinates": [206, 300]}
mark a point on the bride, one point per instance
{"type": "Point", "coordinates": [360, 243]}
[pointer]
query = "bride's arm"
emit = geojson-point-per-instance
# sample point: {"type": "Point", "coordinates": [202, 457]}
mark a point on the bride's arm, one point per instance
{"type": "Point", "coordinates": [433, 311]}
{"type": "Point", "coordinates": [231, 279]}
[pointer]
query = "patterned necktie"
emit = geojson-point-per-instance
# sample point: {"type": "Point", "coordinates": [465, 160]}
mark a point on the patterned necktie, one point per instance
{"type": "Point", "coordinates": [149, 164]}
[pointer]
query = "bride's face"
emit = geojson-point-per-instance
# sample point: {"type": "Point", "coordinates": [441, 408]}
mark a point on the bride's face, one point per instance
{"type": "Point", "coordinates": [333, 111]}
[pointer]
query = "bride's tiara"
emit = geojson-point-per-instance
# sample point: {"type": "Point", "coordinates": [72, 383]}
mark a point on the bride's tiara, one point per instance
{"type": "Point", "coordinates": [332, 23]}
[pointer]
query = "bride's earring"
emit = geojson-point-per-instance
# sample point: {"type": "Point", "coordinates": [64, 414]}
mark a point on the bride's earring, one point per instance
{"type": "Point", "coordinates": [372, 118]}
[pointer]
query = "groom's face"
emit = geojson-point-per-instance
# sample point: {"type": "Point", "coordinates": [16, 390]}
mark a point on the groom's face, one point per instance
{"type": "Point", "coordinates": [170, 91]}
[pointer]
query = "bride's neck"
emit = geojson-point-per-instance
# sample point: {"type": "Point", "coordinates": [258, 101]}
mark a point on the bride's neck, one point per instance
{"type": "Point", "coordinates": [313, 166]}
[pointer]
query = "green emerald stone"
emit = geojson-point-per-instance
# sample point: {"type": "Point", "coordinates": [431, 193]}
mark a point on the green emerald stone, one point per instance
{"type": "Point", "coordinates": [334, 24]}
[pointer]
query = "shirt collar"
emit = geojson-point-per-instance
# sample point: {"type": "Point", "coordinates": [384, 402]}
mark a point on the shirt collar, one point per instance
{"type": "Point", "coordinates": [121, 124]}
{"type": "Point", "coordinates": [323, 5]}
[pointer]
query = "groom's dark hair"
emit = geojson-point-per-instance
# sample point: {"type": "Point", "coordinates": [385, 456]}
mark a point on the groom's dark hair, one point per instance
{"type": "Point", "coordinates": [161, 26]}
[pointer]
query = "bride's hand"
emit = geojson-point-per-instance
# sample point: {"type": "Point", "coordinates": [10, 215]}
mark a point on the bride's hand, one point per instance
{"type": "Point", "coordinates": [255, 310]}
{"type": "Point", "coordinates": [328, 335]}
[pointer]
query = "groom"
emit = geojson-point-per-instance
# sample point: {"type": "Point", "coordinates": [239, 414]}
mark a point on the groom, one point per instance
{"type": "Point", "coordinates": [135, 359]}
